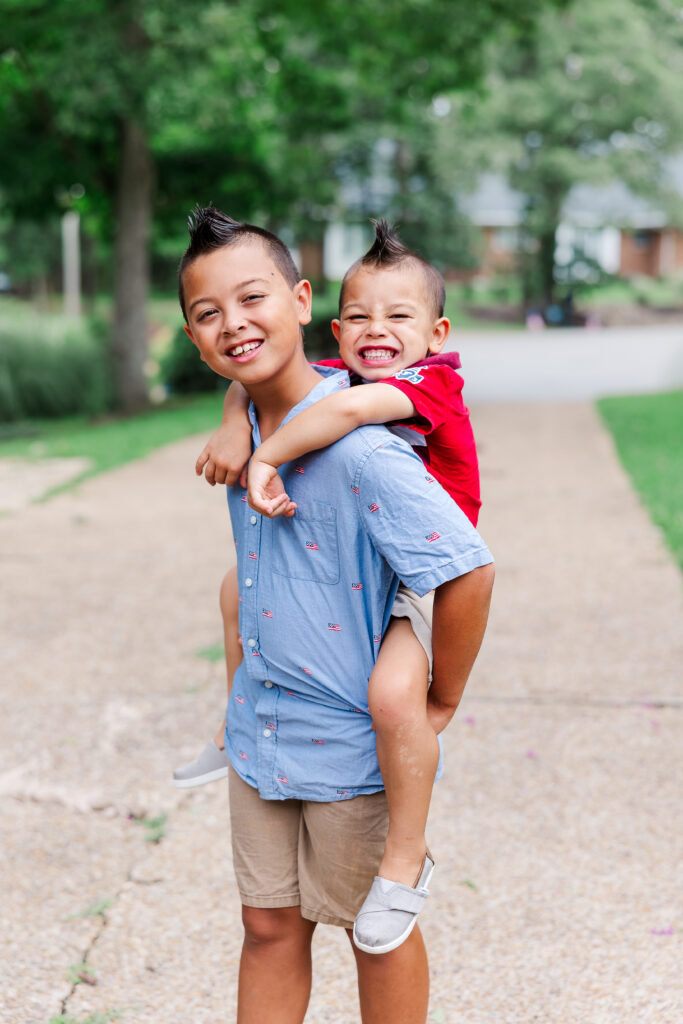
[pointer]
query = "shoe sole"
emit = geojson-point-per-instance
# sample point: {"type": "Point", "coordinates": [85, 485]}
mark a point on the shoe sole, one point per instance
{"type": "Point", "coordinates": [395, 943]}
{"type": "Point", "coordinates": [201, 780]}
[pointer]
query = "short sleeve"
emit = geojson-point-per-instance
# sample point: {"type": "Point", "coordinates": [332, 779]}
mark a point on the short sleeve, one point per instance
{"type": "Point", "coordinates": [413, 522]}
{"type": "Point", "coordinates": [433, 390]}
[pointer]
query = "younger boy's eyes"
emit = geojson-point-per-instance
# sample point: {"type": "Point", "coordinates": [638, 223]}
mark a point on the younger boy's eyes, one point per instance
{"type": "Point", "coordinates": [253, 297]}
{"type": "Point", "coordinates": [356, 317]}
{"type": "Point", "coordinates": [205, 314]}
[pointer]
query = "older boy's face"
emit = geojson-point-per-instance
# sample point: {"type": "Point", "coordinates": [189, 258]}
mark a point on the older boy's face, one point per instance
{"type": "Point", "coordinates": [242, 315]}
{"type": "Point", "coordinates": [387, 321]}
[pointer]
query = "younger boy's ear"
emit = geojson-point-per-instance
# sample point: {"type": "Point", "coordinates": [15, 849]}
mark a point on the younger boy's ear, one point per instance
{"type": "Point", "coordinates": [304, 297]}
{"type": "Point", "coordinates": [336, 328]}
{"type": "Point", "coordinates": [440, 332]}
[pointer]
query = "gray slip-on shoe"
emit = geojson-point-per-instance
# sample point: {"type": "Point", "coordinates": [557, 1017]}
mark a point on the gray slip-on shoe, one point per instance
{"type": "Point", "coordinates": [390, 911]}
{"type": "Point", "coordinates": [211, 764]}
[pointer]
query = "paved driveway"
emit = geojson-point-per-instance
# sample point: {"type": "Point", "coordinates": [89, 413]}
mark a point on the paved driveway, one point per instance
{"type": "Point", "coordinates": [556, 828]}
{"type": "Point", "coordinates": [571, 364]}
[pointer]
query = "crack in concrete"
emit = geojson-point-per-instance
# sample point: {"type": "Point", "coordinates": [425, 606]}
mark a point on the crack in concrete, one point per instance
{"type": "Point", "coordinates": [104, 921]}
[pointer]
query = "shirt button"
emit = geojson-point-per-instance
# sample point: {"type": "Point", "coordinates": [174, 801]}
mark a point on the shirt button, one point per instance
{"type": "Point", "coordinates": [251, 642]}
{"type": "Point", "coordinates": [248, 582]}
{"type": "Point", "coordinates": [268, 684]}
{"type": "Point", "coordinates": [267, 733]}
{"type": "Point", "coordinates": [252, 520]}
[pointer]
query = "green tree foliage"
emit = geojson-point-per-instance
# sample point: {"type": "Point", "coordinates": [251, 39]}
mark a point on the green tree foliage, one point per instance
{"type": "Point", "coordinates": [131, 111]}
{"type": "Point", "coordinates": [592, 97]}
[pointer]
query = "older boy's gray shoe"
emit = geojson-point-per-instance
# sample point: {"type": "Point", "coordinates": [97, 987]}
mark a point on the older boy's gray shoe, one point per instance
{"type": "Point", "coordinates": [211, 764]}
{"type": "Point", "coordinates": [390, 911]}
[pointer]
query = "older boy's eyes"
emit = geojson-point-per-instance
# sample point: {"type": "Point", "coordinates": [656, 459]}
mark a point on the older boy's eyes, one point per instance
{"type": "Point", "coordinates": [253, 297]}
{"type": "Point", "coordinates": [205, 314]}
{"type": "Point", "coordinates": [355, 317]}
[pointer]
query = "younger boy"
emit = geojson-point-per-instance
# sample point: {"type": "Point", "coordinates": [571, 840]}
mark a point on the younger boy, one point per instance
{"type": "Point", "coordinates": [391, 318]}
{"type": "Point", "coordinates": [307, 807]}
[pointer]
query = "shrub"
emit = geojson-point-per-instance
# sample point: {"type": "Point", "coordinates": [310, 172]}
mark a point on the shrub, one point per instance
{"type": "Point", "coordinates": [46, 374]}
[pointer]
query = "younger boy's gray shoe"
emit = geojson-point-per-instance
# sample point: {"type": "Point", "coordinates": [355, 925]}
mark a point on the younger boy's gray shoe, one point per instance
{"type": "Point", "coordinates": [390, 911]}
{"type": "Point", "coordinates": [211, 764]}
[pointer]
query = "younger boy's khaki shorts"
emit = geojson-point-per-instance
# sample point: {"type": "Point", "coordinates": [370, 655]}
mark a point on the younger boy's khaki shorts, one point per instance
{"type": "Point", "coordinates": [419, 611]}
{"type": "Point", "coordinates": [321, 857]}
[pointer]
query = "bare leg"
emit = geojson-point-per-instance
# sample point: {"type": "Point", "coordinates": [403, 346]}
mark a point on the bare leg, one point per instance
{"type": "Point", "coordinates": [407, 748]}
{"type": "Point", "coordinates": [275, 967]}
{"type": "Point", "coordinates": [229, 602]}
{"type": "Point", "coordinates": [394, 987]}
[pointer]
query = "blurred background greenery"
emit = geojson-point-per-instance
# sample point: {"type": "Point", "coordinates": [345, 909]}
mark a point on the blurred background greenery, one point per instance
{"type": "Point", "coordinates": [473, 126]}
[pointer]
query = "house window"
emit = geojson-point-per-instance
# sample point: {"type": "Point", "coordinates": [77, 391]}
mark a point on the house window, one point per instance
{"type": "Point", "coordinates": [643, 239]}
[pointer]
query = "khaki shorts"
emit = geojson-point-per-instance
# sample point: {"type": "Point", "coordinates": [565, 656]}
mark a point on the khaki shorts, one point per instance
{"type": "Point", "coordinates": [321, 857]}
{"type": "Point", "coordinates": [407, 605]}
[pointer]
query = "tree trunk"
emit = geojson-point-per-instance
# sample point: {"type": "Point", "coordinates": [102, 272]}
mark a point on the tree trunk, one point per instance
{"type": "Point", "coordinates": [131, 267]}
{"type": "Point", "coordinates": [546, 258]}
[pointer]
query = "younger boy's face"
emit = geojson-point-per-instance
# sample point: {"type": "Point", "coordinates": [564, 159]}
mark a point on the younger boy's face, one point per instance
{"type": "Point", "coordinates": [387, 321]}
{"type": "Point", "coordinates": [243, 316]}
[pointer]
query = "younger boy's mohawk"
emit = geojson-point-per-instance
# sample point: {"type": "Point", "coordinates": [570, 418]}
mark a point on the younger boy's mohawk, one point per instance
{"type": "Point", "coordinates": [387, 250]}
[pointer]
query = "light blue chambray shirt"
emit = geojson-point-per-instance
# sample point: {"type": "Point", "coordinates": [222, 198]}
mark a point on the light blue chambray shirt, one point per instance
{"type": "Point", "coordinates": [315, 597]}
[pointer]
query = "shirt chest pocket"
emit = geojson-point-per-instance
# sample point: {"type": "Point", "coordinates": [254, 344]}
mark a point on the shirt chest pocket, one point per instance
{"type": "Point", "coordinates": [306, 547]}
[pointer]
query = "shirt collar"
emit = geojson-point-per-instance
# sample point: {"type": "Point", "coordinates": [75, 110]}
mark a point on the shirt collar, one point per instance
{"type": "Point", "coordinates": [333, 380]}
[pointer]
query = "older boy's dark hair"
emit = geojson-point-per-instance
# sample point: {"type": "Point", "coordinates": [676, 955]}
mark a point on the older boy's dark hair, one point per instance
{"type": "Point", "coordinates": [211, 229]}
{"type": "Point", "coordinates": [389, 251]}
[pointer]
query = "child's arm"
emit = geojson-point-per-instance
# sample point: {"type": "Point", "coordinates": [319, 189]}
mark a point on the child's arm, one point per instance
{"type": "Point", "coordinates": [461, 608]}
{"type": "Point", "coordinates": [316, 427]}
{"type": "Point", "coordinates": [224, 457]}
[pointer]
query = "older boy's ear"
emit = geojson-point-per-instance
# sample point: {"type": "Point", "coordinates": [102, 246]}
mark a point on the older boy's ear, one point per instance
{"type": "Point", "coordinates": [440, 332]}
{"type": "Point", "coordinates": [336, 328]}
{"type": "Point", "coordinates": [188, 332]}
{"type": "Point", "coordinates": [304, 297]}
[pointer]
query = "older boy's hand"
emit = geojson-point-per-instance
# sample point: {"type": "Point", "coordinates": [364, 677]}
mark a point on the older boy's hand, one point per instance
{"type": "Point", "coordinates": [266, 491]}
{"type": "Point", "coordinates": [224, 457]}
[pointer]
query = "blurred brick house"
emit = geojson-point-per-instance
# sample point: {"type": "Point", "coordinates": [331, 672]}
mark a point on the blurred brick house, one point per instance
{"type": "Point", "coordinates": [622, 233]}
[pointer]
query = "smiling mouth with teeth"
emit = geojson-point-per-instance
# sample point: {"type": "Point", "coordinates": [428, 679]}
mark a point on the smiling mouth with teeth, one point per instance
{"type": "Point", "coordinates": [243, 350]}
{"type": "Point", "coordinates": [377, 353]}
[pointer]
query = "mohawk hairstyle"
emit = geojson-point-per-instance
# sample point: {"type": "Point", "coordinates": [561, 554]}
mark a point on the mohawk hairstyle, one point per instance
{"type": "Point", "coordinates": [212, 229]}
{"type": "Point", "coordinates": [388, 251]}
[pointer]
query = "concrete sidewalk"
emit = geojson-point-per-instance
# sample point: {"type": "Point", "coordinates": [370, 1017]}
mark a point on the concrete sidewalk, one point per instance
{"type": "Point", "coordinates": [555, 828]}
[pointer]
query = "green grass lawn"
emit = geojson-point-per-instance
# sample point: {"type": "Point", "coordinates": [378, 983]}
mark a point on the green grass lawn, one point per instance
{"type": "Point", "coordinates": [648, 431]}
{"type": "Point", "coordinates": [113, 441]}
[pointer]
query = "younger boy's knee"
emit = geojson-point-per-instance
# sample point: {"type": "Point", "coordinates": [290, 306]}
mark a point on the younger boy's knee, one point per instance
{"type": "Point", "coordinates": [396, 704]}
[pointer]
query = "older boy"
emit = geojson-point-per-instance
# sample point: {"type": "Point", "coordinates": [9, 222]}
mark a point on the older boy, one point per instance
{"type": "Point", "coordinates": [307, 807]}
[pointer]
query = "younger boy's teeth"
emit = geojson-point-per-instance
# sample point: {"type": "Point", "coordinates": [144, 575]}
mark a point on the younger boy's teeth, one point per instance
{"type": "Point", "coordinates": [241, 350]}
{"type": "Point", "coordinates": [378, 353]}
